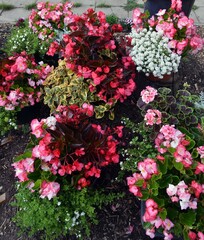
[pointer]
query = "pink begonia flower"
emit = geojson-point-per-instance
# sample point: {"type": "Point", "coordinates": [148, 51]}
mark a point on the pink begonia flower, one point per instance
{"type": "Point", "coordinates": [157, 222]}
{"type": "Point", "coordinates": [183, 22]}
{"type": "Point", "coordinates": [152, 117]}
{"type": "Point", "coordinates": [161, 12]}
{"type": "Point", "coordinates": [171, 190]}
{"type": "Point", "coordinates": [151, 211]}
{"type": "Point", "coordinates": [193, 204]}
{"type": "Point", "coordinates": [196, 43]}
{"type": "Point", "coordinates": [49, 189]}
{"type": "Point", "coordinates": [36, 128]}
{"type": "Point", "coordinates": [176, 4]}
{"type": "Point", "coordinates": [137, 20]}
{"type": "Point", "coordinates": [21, 64]}
{"type": "Point", "coordinates": [167, 236]}
{"type": "Point", "coordinates": [172, 44]}
{"type": "Point", "coordinates": [168, 224]}
{"type": "Point", "coordinates": [201, 151]}
{"type": "Point", "coordinates": [192, 235]}
{"type": "Point", "coordinates": [199, 168]}
{"type": "Point", "coordinates": [147, 167]}
{"type": "Point", "coordinates": [89, 109]}
{"type": "Point", "coordinates": [181, 45]}
{"type": "Point", "coordinates": [150, 232]}
{"type": "Point", "coordinates": [168, 131]}
{"type": "Point", "coordinates": [23, 167]}
{"type": "Point", "coordinates": [185, 198]}
{"type": "Point", "coordinates": [200, 236]}
{"type": "Point", "coordinates": [148, 94]}
{"type": "Point", "coordinates": [197, 188]}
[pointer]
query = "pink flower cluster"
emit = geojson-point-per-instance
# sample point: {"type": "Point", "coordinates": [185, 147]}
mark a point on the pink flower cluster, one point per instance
{"type": "Point", "coordinates": [168, 137]}
{"type": "Point", "coordinates": [148, 94]}
{"type": "Point", "coordinates": [152, 117]}
{"type": "Point", "coordinates": [147, 168]}
{"type": "Point", "coordinates": [48, 18]}
{"type": "Point", "coordinates": [92, 52]}
{"type": "Point", "coordinates": [20, 81]}
{"type": "Point", "coordinates": [178, 28]}
{"type": "Point", "coordinates": [193, 236]}
{"type": "Point", "coordinates": [181, 193]}
{"type": "Point", "coordinates": [151, 216]}
{"type": "Point", "coordinates": [60, 155]}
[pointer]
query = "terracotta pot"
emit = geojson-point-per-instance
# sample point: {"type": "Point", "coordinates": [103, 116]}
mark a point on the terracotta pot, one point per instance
{"type": "Point", "coordinates": [153, 6]}
{"type": "Point", "coordinates": [166, 78]}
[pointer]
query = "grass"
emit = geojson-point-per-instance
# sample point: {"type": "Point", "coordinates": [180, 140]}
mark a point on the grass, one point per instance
{"type": "Point", "coordinates": [132, 4]}
{"type": "Point", "coordinates": [195, 7]}
{"type": "Point", "coordinates": [77, 4]}
{"type": "Point", "coordinates": [6, 7]}
{"type": "Point", "coordinates": [30, 6]}
{"type": "Point", "coordinates": [103, 5]}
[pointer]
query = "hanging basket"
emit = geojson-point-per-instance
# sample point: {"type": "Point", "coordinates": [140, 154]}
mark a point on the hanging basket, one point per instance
{"type": "Point", "coordinates": [153, 6]}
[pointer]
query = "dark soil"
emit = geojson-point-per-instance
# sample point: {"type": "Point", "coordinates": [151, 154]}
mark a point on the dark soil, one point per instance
{"type": "Point", "coordinates": [120, 220]}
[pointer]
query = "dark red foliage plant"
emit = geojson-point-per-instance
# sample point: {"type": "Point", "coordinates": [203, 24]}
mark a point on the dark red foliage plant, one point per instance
{"type": "Point", "coordinates": [67, 146]}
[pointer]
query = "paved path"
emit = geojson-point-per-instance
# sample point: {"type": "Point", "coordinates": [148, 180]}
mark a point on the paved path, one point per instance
{"type": "Point", "coordinates": [116, 7]}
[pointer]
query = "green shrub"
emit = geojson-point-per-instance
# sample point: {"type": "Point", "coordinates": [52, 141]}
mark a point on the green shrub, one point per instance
{"type": "Point", "coordinates": [7, 121]}
{"type": "Point", "coordinates": [22, 39]}
{"type": "Point", "coordinates": [112, 19]}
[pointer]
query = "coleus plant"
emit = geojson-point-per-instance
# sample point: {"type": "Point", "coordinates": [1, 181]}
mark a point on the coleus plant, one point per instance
{"type": "Point", "coordinates": [68, 146]}
{"type": "Point", "coordinates": [20, 81]}
{"type": "Point", "coordinates": [171, 181]}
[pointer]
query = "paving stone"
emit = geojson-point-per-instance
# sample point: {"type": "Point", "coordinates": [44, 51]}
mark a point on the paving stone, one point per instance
{"type": "Point", "coordinates": [200, 15]}
{"type": "Point", "coordinates": [13, 15]}
{"type": "Point", "coordinates": [112, 2]}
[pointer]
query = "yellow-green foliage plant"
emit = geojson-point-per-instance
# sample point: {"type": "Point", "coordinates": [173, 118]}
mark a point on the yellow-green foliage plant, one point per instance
{"type": "Point", "coordinates": [64, 87]}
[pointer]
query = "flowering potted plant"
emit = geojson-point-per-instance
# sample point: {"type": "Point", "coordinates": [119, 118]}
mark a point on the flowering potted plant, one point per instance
{"type": "Point", "coordinates": [167, 163]}
{"type": "Point", "coordinates": [159, 42]}
{"type": "Point", "coordinates": [20, 81]}
{"type": "Point", "coordinates": [65, 156]}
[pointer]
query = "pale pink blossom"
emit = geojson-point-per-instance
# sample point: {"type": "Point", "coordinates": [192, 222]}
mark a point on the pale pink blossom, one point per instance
{"type": "Point", "coordinates": [150, 232]}
{"type": "Point", "coordinates": [152, 117]}
{"type": "Point", "coordinates": [49, 189]}
{"type": "Point", "coordinates": [148, 94]}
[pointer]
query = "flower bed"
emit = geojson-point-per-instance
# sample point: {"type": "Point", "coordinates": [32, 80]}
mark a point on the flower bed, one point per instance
{"type": "Point", "coordinates": [70, 155]}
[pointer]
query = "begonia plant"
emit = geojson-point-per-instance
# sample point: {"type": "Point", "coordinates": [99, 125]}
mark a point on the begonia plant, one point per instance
{"type": "Point", "coordinates": [167, 163]}
{"type": "Point", "coordinates": [93, 52]}
{"type": "Point", "coordinates": [20, 81]}
{"type": "Point", "coordinates": [68, 146]}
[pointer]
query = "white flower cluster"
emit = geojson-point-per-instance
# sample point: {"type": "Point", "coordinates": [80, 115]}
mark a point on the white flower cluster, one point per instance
{"type": "Point", "coordinates": [151, 53]}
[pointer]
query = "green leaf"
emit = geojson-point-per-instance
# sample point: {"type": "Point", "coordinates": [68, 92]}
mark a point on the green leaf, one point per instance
{"type": "Point", "coordinates": [37, 184]}
{"type": "Point", "coordinates": [178, 166]}
{"type": "Point", "coordinates": [164, 182]}
{"type": "Point", "coordinates": [194, 153]}
{"type": "Point", "coordinates": [27, 154]}
{"type": "Point", "coordinates": [139, 183]}
{"type": "Point", "coordinates": [187, 219]}
{"type": "Point", "coordinates": [191, 144]}
{"type": "Point", "coordinates": [145, 195]}
{"type": "Point", "coordinates": [185, 234]}
{"type": "Point", "coordinates": [163, 166]}
{"type": "Point", "coordinates": [34, 175]}
{"type": "Point", "coordinates": [163, 214]}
